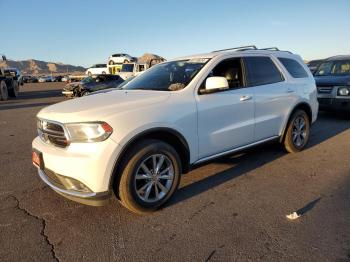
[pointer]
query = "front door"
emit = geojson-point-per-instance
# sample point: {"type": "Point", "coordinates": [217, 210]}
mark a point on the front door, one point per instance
{"type": "Point", "coordinates": [226, 118]}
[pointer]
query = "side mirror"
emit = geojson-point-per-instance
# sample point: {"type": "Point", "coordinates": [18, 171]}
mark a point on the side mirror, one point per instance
{"type": "Point", "coordinates": [216, 83]}
{"type": "Point", "coordinates": [3, 57]}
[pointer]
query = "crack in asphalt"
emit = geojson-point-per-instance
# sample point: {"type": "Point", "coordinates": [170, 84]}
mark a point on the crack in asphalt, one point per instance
{"type": "Point", "coordinates": [43, 222]}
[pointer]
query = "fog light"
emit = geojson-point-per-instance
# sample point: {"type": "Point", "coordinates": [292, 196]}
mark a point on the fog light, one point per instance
{"type": "Point", "coordinates": [343, 91]}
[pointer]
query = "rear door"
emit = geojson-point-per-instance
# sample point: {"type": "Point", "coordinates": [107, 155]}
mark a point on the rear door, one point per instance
{"type": "Point", "coordinates": [273, 95]}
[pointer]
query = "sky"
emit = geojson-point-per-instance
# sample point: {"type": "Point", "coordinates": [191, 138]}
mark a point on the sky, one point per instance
{"type": "Point", "coordinates": [85, 32]}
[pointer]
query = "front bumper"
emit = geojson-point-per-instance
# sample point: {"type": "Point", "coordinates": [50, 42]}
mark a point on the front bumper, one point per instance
{"type": "Point", "coordinates": [90, 164]}
{"type": "Point", "coordinates": [337, 103]}
{"type": "Point", "coordinates": [87, 198]}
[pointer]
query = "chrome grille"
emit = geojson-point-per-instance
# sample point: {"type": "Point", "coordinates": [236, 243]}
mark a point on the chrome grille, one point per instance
{"type": "Point", "coordinates": [324, 89]}
{"type": "Point", "coordinates": [52, 133]}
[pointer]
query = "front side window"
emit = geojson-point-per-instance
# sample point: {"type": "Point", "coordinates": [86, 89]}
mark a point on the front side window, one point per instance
{"type": "Point", "coordinates": [262, 71]}
{"type": "Point", "coordinates": [169, 76]}
{"type": "Point", "coordinates": [231, 69]}
{"type": "Point", "coordinates": [293, 67]}
{"type": "Point", "coordinates": [339, 67]}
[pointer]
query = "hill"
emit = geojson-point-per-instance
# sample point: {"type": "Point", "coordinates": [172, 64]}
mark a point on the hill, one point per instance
{"type": "Point", "coordinates": [37, 67]}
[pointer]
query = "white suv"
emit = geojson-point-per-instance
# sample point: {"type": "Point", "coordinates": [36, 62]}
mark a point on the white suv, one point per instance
{"type": "Point", "coordinates": [120, 59]}
{"type": "Point", "coordinates": [137, 141]}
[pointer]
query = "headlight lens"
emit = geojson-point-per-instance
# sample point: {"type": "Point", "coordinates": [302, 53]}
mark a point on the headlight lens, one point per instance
{"type": "Point", "coordinates": [88, 132]}
{"type": "Point", "coordinates": [343, 91]}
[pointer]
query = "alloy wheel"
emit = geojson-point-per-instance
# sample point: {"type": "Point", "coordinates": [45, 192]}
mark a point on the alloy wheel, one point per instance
{"type": "Point", "coordinates": [154, 178]}
{"type": "Point", "coordinates": [299, 132]}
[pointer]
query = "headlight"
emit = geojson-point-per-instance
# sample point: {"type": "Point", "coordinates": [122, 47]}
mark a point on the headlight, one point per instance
{"type": "Point", "coordinates": [343, 91]}
{"type": "Point", "coordinates": [88, 132]}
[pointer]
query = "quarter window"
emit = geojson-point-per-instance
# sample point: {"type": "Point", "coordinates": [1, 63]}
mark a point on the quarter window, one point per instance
{"type": "Point", "coordinates": [262, 71]}
{"type": "Point", "coordinates": [293, 67]}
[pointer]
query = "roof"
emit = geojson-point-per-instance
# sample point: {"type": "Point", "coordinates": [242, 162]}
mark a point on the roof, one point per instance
{"type": "Point", "coordinates": [228, 52]}
{"type": "Point", "coordinates": [338, 57]}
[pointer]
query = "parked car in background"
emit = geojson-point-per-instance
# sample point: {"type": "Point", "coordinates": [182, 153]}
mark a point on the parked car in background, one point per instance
{"type": "Point", "coordinates": [30, 79]}
{"type": "Point", "coordinates": [137, 141]}
{"type": "Point", "coordinates": [120, 59]}
{"type": "Point", "coordinates": [44, 79]}
{"type": "Point", "coordinates": [65, 79]}
{"type": "Point", "coordinates": [100, 82]}
{"type": "Point", "coordinates": [17, 74]}
{"type": "Point", "coordinates": [333, 83]}
{"type": "Point", "coordinates": [9, 86]}
{"type": "Point", "coordinates": [313, 64]}
{"type": "Point", "coordinates": [97, 69]}
{"type": "Point", "coordinates": [57, 78]}
{"type": "Point", "coordinates": [132, 69]}
{"type": "Point", "coordinates": [92, 84]}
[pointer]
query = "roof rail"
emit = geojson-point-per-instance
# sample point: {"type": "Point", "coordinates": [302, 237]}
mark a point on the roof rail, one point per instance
{"type": "Point", "coordinates": [240, 48]}
{"type": "Point", "coordinates": [270, 48]}
{"type": "Point", "coordinates": [274, 49]}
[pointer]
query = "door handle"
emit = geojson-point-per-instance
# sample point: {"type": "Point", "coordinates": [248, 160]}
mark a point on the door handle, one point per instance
{"type": "Point", "coordinates": [245, 98]}
{"type": "Point", "coordinates": [289, 90]}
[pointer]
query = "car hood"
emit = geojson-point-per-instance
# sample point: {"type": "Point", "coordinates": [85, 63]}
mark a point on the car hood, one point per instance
{"type": "Point", "coordinates": [71, 86]}
{"type": "Point", "coordinates": [99, 106]}
{"type": "Point", "coordinates": [332, 80]}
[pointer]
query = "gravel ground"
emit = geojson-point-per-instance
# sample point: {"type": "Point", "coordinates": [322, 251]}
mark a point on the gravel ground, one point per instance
{"type": "Point", "coordinates": [231, 209]}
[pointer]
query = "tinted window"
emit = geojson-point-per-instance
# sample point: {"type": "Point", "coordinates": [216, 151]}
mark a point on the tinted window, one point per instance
{"type": "Point", "coordinates": [338, 67]}
{"type": "Point", "coordinates": [262, 71]}
{"type": "Point", "coordinates": [293, 67]}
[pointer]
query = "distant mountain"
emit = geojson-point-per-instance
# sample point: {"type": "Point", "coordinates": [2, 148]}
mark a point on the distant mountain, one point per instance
{"type": "Point", "coordinates": [36, 67]}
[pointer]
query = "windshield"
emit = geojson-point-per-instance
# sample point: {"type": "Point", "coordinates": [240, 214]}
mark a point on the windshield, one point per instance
{"type": "Point", "coordinates": [169, 76]}
{"type": "Point", "coordinates": [127, 68]}
{"type": "Point", "coordinates": [86, 80]}
{"type": "Point", "coordinates": [340, 67]}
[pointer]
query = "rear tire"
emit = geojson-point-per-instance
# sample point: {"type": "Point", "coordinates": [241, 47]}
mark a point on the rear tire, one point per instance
{"type": "Point", "coordinates": [297, 133]}
{"type": "Point", "coordinates": [14, 90]}
{"type": "Point", "coordinates": [126, 61]}
{"type": "Point", "coordinates": [144, 189]}
{"type": "Point", "coordinates": [3, 91]}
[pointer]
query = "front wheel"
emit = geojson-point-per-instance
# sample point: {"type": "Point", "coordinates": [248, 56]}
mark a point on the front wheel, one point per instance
{"type": "Point", "coordinates": [298, 132]}
{"type": "Point", "coordinates": [150, 176]}
{"type": "Point", "coordinates": [85, 93]}
{"type": "Point", "coordinates": [3, 91]}
{"type": "Point", "coordinates": [14, 91]}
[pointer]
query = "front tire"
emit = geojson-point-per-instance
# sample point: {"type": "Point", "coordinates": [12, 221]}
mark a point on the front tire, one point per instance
{"type": "Point", "coordinates": [150, 175]}
{"type": "Point", "coordinates": [14, 91]}
{"type": "Point", "coordinates": [3, 91]}
{"type": "Point", "coordinates": [85, 93]}
{"type": "Point", "coordinates": [298, 132]}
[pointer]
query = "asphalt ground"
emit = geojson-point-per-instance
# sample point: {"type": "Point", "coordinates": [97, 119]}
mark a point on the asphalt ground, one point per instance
{"type": "Point", "coordinates": [231, 209]}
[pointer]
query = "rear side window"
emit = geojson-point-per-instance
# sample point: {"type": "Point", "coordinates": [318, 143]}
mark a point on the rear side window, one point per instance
{"type": "Point", "coordinates": [293, 67]}
{"type": "Point", "coordinates": [262, 71]}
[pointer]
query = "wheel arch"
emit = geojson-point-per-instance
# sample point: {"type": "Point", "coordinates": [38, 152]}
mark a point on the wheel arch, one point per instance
{"type": "Point", "coordinates": [300, 106]}
{"type": "Point", "coordinates": [167, 135]}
